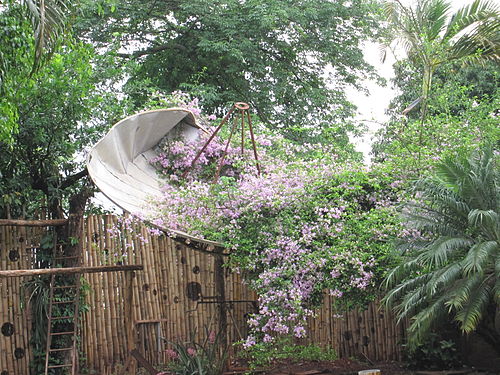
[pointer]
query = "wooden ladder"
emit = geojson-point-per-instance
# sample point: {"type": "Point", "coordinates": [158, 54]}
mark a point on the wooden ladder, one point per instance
{"type": "Point", "coordinates": [63, 297]}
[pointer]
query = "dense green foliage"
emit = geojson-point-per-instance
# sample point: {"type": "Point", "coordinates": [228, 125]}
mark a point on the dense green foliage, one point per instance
{"type": "Point", "coordinates": [447, 102]}
{"type": "Point", "coordinates": [462, 114]}
{"type": "Point", "coordinates": [263, 356]}
{"type": "Point", "coordinates": [56, 112]}
{"type": "Point", "coordinates": [431, 36]}
{"type": "Point", "coordinates": [14, 60]}
{"type": "Point", "coordinates": [434, 354]}
{"type": "Point", "coordinates": [451, 266]}
{"type": "Point", "coordinates": [270, 54]}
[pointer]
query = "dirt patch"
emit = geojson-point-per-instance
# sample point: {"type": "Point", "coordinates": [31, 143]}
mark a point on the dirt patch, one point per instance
{"type": "Point", "coordinates": [338, 367]}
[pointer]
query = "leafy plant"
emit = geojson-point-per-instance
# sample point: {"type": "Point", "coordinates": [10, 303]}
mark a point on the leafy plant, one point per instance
{"type": "Point", "coordinates": [451, 262]}
{"type": "Point", "coordinates": [263, 355]}
{"type": "Point", "coordinates": [435, 354]}
{"type": "Point", "coordinates": [462, 114]}
{"type": "Point", "coordinates": [432, 37]}
{"type": "Point", "coordinates": [193, 358]}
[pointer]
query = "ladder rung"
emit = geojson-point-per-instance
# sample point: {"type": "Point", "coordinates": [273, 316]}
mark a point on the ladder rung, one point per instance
{"type": "Point", "coordinates": [61, 302]}
{"type": "Point", "coordinates": [59, 366]}
{"type": "Point", "coordinates": [64, 286]}
{"type": "Point", "coordinates": [62, 333]}
{"type": "Point", "coordinates": [60, 349]}
{"type": "Point", "coordinates": [60, 317]}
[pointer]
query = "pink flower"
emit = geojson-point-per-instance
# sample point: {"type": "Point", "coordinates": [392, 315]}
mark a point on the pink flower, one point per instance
{"type": "Point", "coordinates": [299, 331]}
{"type": "Point", "coordinates": [172, 354]}
{"type": "Point", "coordinates": [211, 337]}
{"type": "Point", "coordinates": [191, 352]}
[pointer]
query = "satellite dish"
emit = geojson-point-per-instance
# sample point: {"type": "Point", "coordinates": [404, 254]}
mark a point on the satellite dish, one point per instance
{"type": "Point", "coordinates": [119, 163]}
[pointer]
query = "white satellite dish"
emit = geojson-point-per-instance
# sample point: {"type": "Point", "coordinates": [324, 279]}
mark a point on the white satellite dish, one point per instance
{"type": "Point", "coordinates": [119, 164]}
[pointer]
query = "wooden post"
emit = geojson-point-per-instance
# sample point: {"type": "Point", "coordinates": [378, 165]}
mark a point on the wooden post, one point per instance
{"type": "Point", "coordinates": [33, 223]}
{"type": "Point", "coordinates": [129, 318]}
{"type": "Point", "coordinates": [68, 270]}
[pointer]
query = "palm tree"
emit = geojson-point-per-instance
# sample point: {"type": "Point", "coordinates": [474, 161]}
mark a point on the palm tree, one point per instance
{"type": "Point", "coordinates": [452, 267]}
{"type": "Point", "coordinates": [48, 18]}
{"type": "Point", "coordinates": [431, 36]}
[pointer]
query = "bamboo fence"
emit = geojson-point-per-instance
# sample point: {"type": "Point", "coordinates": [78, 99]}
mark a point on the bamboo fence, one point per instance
{"type": "Point", "coordinates": [173, 299]}
{"type": "Point", "coordinates": [18, 245]}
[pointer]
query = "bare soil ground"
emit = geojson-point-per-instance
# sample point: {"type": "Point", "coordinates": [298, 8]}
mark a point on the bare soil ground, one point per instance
{"type": "Point", "coordinates": [351, 367]}
{"type": "Point", "coordinates": [338, 367]}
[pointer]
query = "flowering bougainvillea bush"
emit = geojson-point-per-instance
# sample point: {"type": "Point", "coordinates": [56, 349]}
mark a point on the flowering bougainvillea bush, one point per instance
{"type": "Point", "coordinates": [306, 226]}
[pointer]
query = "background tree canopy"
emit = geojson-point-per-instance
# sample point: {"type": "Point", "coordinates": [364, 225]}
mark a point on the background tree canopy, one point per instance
{"type": "Point", "coordinates": [462, 113]}
{"type": "Point", "coordinates": [271, 54]}
{"type": "Point", "coordinates": [48, 117]}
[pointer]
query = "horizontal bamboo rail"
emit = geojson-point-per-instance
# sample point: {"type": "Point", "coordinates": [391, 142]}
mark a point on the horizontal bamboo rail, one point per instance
{"type": "Point", "coordinates": [69, 270]}
{"type": "Point", "coordinates": [34, 223]}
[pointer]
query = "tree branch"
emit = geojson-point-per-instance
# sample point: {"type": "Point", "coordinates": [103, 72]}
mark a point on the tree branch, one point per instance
{"type": "Point", "coordinates": [151, 50]}
{"type": "Point", "coordinates": [70, 180]}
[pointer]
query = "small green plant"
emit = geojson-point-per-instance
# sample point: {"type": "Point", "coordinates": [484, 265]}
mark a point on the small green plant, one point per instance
{"type": "Point", "coordinates": [263, 355]}
{"type": "Point", "coordinates": [193, 358]}
{"type": "Point", "coordinates": [435, 354]}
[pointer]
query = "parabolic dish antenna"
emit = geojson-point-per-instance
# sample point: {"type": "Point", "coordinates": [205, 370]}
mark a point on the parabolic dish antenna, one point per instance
{"type": "Point", "coordinates": [119, 163]}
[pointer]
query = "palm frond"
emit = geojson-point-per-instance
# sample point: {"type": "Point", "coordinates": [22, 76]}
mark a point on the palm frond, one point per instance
{"type": "Point", "coordinates": [477, 217]}
{"type": "Point", "coordinates": [497, 266]}
{"type": "Point", "coordinates": [396, 293]}
{"type": "Point", "coordinates": [422, 322]}
{"type": "Point", "coordinates": [443, 278]}
{"type": "Point", "coordinates": [434, 221]}
{"type": "Point", "coordinates": [487, 222]}
{"type": "Point", "coordinates": [479, 41]}
{"type": "Point", "coordinates": [479, 255]}
{"type": "Point", "coordinates": [436, 15]}
{"type": "Point", "coordinates": [48, 18]}
{"type": "Point", "coordinates": [470, 315]}
{"type": "Point", "coordinates": [476, 11]}
{"type": "Point", "coordinates": [461, 292]}
{"type": "Point", "coordinates": [438, 252]}
{"type": "Point", "coordinates": [496, 291]}
{"type": "Point", "coordinates": [412, 301]}
{"type": "Point", "coordinates": [452, 173]}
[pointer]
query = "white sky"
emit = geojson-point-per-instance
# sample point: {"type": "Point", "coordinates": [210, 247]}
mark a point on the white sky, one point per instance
{"type": "Point", "coordinates": [371, 108]}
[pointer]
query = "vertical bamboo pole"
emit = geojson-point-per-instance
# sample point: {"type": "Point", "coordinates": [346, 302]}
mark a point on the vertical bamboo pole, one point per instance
{"type": "Point", "coordinates": [221, 296]}
{"type": "Point", "coordinates": [129, 317]}
{"type": "Point", "coordinates": [95, 295]}
{"type": "Point", "coordinates": [109, 304]}
{"type": "Point", "coordinates": [20, 340]}
{"type": "Point", "coordinates": [165, 286]}
{"type": "Point", "coordinates": [166, 271]}
{"type": "Point", "coordinates": [7, 315]}
{"type": "Point", "coordinates": [385, 329]}
{"type": "Point", "coordinates": [177, 297]}
{"type": "Point", "coordinates": [101, 354]}
{"type": "Point", "coordinates": [87, 318]}
{"type": "Point", "coordinates": [3, 306]}
{"type": "Point", "coordinates": [377, 332]}
{"type": "Point", "coordinates": [118, 349]}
